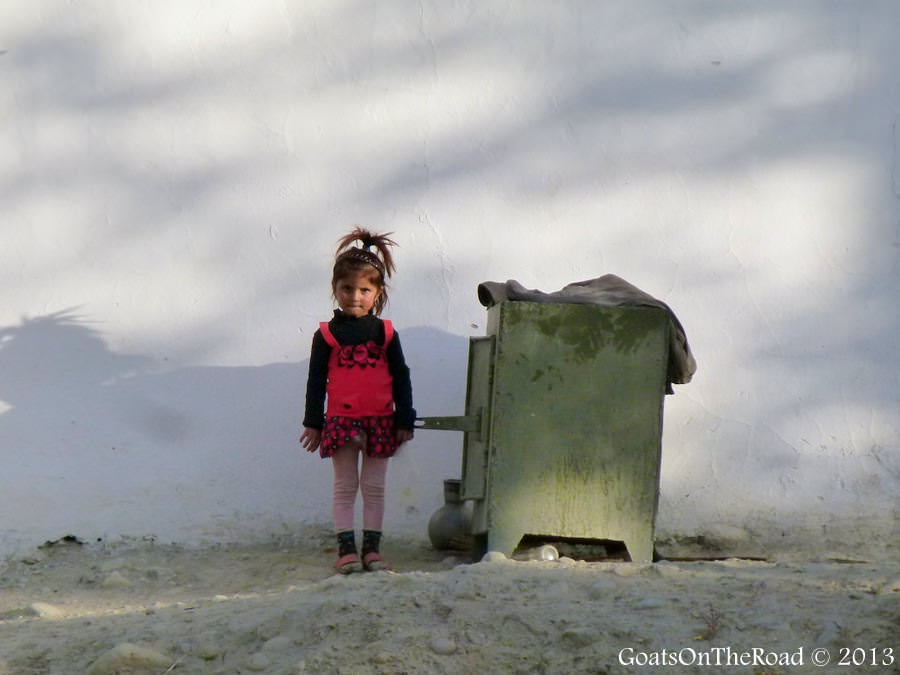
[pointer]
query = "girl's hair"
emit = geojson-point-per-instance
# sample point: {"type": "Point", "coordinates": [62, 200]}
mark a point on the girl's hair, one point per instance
{"type": "Point", "coordinates": [350, 259]}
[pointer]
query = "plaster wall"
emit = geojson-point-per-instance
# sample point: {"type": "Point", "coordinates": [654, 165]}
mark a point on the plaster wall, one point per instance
{"type": "Point", "coordinates": [175, 176]}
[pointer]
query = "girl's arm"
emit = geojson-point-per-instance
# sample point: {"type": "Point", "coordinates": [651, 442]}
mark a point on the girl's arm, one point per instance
{"type": "Point", "coordinates": [404, 413]}
{"type": "Point", "coordinates": [317, 380]}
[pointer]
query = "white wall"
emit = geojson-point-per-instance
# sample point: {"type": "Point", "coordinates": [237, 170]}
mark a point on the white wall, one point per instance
{"type": "Point", "coordinates": [175, 175]}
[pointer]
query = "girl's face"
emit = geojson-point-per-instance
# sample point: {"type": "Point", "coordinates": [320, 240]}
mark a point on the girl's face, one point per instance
{"type": "Point", "coordinates": [356, 293]}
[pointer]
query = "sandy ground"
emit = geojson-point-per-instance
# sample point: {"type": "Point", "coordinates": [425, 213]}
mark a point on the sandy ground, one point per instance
{"type": "Point", "coordinates": [74, 608]}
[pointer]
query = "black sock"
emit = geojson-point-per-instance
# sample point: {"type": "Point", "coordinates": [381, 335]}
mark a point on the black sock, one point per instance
{"type": "Point", "coordinates": [346, 543]}
{"type": "Point", "coordinates": [371, 541]}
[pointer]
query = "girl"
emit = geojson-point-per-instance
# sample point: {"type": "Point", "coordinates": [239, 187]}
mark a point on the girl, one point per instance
{"type": "Point", "coordinates": [357, 361]}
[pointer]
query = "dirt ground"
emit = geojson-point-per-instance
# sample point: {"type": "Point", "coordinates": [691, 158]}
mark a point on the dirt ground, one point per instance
{"type": "Point", "coordinates": [144, 608]}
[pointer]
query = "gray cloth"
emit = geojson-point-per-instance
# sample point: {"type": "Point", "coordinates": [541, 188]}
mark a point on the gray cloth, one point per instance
{"type": "Point", "coordinates": [610, 291]}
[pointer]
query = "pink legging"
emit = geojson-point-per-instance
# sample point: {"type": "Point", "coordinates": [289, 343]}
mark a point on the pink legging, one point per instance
{"type": "Point", "coordinates": [349, 478]}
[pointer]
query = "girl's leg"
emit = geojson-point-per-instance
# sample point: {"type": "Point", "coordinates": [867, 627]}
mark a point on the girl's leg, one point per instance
{"type": "Point", "coordinates": [346, 484]}
{"type": "Point", "coordinates": [372, 479]}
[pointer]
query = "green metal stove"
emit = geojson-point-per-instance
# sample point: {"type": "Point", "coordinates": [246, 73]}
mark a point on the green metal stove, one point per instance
{"type": "Point", "coordinates": [563, 424]}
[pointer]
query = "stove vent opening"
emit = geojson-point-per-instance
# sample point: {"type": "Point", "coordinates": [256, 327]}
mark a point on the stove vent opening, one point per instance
{"type": "Point", "coordinates": [589, 550]}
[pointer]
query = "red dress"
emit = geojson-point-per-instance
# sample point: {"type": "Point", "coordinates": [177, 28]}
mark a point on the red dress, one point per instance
{"type": "Point", "coordinates": [360, 395]}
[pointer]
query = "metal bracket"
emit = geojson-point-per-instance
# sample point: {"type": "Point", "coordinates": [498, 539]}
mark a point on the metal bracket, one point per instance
{"type": "Point", "coordinates": [466, 423]}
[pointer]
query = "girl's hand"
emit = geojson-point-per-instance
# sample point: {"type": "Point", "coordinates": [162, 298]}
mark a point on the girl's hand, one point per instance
{"type": "Point", "coordinates": [310, 439]}
{"type": "Point", "coordinates": [404, 435]}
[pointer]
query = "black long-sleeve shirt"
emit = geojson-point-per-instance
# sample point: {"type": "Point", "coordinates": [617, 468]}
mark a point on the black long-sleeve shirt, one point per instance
{"type": "Point", "coordinates": [350, 330]}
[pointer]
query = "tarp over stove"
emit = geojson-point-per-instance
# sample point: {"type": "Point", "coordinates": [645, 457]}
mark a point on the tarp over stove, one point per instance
{"type": "Point", "coordinates": [610, 291]}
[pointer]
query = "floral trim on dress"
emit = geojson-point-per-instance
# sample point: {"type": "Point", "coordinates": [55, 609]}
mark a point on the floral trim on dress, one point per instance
{"type": "Point", "coordinates": [365, 355]}
{"type": "Point", "coordinates": [379, 434]}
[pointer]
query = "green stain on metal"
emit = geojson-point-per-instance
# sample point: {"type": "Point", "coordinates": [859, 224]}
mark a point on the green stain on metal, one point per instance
{"type": "Point", "coordinates": [584, 338]}
{"type": "Point", "coordinates": [586, 332]}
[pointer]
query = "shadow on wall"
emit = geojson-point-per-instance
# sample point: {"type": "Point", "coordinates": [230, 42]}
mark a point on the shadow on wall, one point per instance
{"type": "Point", "coordinates": [99, 444]}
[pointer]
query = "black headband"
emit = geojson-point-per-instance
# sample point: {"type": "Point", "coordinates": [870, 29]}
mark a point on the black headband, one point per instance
{"type": "Point", "coordinates": [363, 256]}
